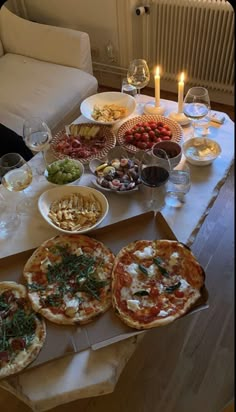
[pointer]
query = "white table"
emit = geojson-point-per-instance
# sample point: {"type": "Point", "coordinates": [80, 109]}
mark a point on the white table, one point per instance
{"type": "Point", "coordinates": [91, 373]}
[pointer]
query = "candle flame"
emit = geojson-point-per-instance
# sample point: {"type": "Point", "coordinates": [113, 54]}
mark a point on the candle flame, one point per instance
{"type": "Point", "coordinates": [158, 71]}
{"type": "Point", "coordinates": [182, 77]}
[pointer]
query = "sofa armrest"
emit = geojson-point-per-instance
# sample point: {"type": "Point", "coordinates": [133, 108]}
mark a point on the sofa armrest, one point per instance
{"type": "Point", "coordinates": [67, 47]}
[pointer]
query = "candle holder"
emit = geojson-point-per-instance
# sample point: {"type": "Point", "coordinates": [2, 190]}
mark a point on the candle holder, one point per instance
{"type": "Point", "coordinates": [179, 118]}
{"type": "Point", "coordinates": [151, 108]}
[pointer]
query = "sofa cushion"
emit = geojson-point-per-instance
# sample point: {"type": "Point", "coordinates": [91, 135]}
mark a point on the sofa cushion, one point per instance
{"type": "Point", "coordinates": [32, 87]}
{"type": "Point", "coordinates": [47, 43]}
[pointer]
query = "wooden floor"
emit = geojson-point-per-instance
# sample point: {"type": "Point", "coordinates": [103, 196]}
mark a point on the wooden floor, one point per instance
{"type": "Point", "coordinates": [187, 366]}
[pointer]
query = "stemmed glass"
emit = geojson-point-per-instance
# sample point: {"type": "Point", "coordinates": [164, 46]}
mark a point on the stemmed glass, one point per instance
{"type": "Point", "coordinates": [138, 74]}
{"type": "Point", "coordinates": [197, 106]}
{"type": "Point", "coordinates": [16, 176]}
{"type": "Point", "coordinates": [36, 135]}
{"type": "Point", "coordinates": [154, 172]}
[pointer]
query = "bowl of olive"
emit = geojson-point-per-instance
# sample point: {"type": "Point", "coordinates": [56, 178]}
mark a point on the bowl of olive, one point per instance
{"type": "Point", "coordinates": [64, 171]}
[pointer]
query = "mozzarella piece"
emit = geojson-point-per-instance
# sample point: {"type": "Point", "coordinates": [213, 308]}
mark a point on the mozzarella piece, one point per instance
{"type": "Point", "coordinates": [147, 252]}
{"type": "Point", "coordinates": [184, 285]}
{"type": "Point", "coordinates": [174, 257]}
{"type": "Point", "coordinates": [78, 251]}
{"type": "Point", "coordinates": [45, 263]}
{"type": "Point", "coordinates": [125, 293]}
{"type": "Point", "coordinates": [133, 304]}
{"type": "Point", "coordinates": [72, 306]}
{"type": "Point", "coordinates": [152, 270]}
{"type": "Point", "coordinates": [132, 269]}
{"type": "Point", "coordinates": [162, 313]}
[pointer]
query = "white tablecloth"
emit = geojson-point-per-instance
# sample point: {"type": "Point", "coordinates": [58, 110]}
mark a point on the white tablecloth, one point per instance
{"type": "Point", "coordinates": [91, 373]}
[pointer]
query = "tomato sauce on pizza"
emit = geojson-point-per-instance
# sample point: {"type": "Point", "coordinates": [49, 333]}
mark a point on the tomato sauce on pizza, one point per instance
{"type": "Point", "coordinates": [155, 282]}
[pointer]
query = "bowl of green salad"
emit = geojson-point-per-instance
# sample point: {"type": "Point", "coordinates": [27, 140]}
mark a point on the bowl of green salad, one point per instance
{"type": "Point", "coordinates": [64, 172]}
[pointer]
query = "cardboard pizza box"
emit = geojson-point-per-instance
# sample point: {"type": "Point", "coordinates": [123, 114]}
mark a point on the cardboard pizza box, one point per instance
{"type": "Point", "coordinates": [108, 328]}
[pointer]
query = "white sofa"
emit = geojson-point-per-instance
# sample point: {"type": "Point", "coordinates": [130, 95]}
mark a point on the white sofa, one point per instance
{"type": "Point", "coordinates": [44, 71]}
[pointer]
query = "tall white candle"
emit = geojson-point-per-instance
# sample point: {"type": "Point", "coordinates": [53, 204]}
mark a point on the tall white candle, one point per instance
{"type": "Point", "coordinates": [181, 93]}
{"type": "Point", "coordinates": [157, 87]}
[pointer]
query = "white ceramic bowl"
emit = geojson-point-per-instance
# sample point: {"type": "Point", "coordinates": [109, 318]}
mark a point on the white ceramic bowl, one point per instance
{"type": "Point", "coordinates": [57, 193]}
{"type": "Point", "coordinates": [200, 151]}
{"type": "Point", "coordinates": [61, 163]}
{"type": "Point", "coordinates": [108, 98]}
{"type": "Point", "coordinates": [173, 150]}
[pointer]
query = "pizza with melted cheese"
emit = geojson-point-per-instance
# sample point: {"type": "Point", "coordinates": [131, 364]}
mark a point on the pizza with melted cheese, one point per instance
{"type": "Point", "coordinates": [69, 279]}
{"type": "Point", "coordinates": [154, 282]}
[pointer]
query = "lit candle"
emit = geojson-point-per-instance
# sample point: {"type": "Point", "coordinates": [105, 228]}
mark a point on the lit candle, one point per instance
{"type": "Point", "coordinates": [181, 93]}
{"type": "Point", "coordinates": [157, 87]}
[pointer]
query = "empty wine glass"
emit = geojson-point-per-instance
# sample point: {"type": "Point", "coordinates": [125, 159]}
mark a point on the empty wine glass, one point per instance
{"type": "Point", "coordinates": [154, 172]}
{"type": "Point", "coordinates": [196, 105]}
{"type": "Point", "coordinates": [16, 176]}
{"type": "Point", "coordinates": [138, 74]}
{"type": "Point", "coordinates": [37, 135]}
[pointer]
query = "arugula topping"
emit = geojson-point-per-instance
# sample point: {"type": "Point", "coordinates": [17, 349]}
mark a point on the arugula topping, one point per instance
{"type": "Point", "coordinates": [172, 288]}
{"type": "Point", "coordinates": [3, 304]}
{"type": "Point", "coordinates": [35, 287]}
{"type": "Point", "coordinates": [143, 269]}
{"type": "Point", "coordinates": [20, 325]}
{"type": "Point", "coordinates": [141, 293]}
{"type": "Point", "coordinates": [158, 261]}
{"type": "Point", "coordinates": [73, 274]}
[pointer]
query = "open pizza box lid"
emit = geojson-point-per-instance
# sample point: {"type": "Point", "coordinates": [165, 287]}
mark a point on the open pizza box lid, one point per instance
{"type": "Point", "coordinates": [107, 328]}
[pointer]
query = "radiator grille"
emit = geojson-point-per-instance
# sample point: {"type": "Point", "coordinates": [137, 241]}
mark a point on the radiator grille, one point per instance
{"type": "Point", "coordinates": [194, 36]}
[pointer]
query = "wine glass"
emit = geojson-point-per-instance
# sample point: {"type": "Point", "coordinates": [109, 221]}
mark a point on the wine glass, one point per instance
{"type": "Point", "coordinates": [37, 135]}
{"type": "Point", "coordinates": [16, 176]}
{"type": "Point", "coordinates": [138, 74]}
{"type": "Point", "coordinates": [154, 172]}
{"type": "Point", "coordinates": [196, 105]}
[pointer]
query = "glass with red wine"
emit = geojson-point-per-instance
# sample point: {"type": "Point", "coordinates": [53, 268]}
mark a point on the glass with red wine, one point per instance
{"type": "Point", "coordinates": [154, 172]}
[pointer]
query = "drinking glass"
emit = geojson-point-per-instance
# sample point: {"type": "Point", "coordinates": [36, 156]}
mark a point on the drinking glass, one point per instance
{"type": "Point", "coordinates": [16, 176]}
{"type": "Point", "coordinates": [9, 218]}
{"type": "Point", "coordinates": [37, 135]}
{"type": "Point", "coordinates": [138, 75]}
{"type": "Point", "coordinates": [196, 105]}
{"type": "Point", "coordinates": [178, 185]}
{"type": "Point", "coordinates": [128, 88]}
{"type": "Point", "coordinates": [154, 172]}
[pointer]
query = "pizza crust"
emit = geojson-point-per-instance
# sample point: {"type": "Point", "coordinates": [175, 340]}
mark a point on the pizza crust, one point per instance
{"type": "Point", "coordinates": [28, 355]}
{"type": "Point", "coordinates": [179, 262]}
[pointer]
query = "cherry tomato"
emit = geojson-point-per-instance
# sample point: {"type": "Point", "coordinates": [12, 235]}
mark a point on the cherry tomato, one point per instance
{"type": "Point", "coordinates": [151, 134]}
{"type": "Point", "coordinates": [165, 137]}
{"type": "Point", "coordinates": [154, 310]}
{"type": "Point", "coordinates": [129, 138]}
{"type": "Point", "coordinates": [145, 137]}
{"type": "Point", "coordinates": [179, 294]}
{"type": "Point", "coordinates": [142, 145]}
{"type": "Point", "coordinates": [137, 136]}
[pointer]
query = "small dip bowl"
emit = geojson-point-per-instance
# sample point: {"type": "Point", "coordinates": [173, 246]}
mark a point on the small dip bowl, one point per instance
{"type": "Point", "coordinates": [200, 151]}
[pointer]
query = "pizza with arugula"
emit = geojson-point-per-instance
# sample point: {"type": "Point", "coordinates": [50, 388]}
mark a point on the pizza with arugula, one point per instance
{"type": "Point", "coordinates": [69, 279]}
{"type": "Point", "coordinates": [22, 331]}
{"type": "Point", "coordinates": [155, 282]}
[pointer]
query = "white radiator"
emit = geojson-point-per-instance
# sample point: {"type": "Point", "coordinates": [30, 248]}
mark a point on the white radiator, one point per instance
{"type": "Point", "coordinates": [194, 36]}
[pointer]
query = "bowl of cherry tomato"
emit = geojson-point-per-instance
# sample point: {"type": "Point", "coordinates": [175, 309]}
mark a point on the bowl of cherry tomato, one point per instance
{"type": "Point", "coordinates": [142, 132]}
